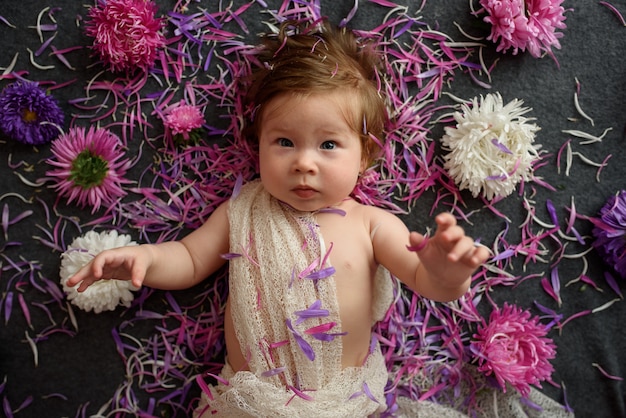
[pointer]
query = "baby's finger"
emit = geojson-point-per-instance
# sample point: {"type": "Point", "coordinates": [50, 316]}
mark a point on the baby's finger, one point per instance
{"type": "Point", "coordinates": [476, 256]}
{"type": "Point", "coordinates": [481, 254]}
{"type": "Point", "coordinates": [87, 275]}
{"type": "Point", "coordinates": [452, 235]}
{"type": "Point", "coordinates": [85, 284]}
{"type": "Point", "coordinates": [445, 220]}
{"type": "Point", "coordinates": [463, 250]}
{"type": "Point", "coordinates": [417, 241]}
{"type": "Point", "coordinates": [79, 276]}
{"type": "Point", "coordinates": [137, 275]}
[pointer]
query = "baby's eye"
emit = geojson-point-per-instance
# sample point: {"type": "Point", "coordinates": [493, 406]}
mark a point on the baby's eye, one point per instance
{"type": "Point", "coordinates": [284, 142]}
{"type": "Point", "coordinates": [328, 145]}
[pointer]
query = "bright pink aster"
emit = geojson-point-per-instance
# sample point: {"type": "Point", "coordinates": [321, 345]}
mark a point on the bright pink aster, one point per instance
{"type": "Point", "coordinates": [88, 167]}
{"type": "Point", "coordinates": [514, 348]}
{"type": "Point", "coordinates": [126, 33]}
{"type": "Point", "coordinates": [525, 24]}
{"type": "Point", "coordinates": [183, 119]}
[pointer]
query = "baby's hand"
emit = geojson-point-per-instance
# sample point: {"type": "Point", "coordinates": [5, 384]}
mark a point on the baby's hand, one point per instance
{"type": "Point", "coordinates": [125, 263]}
{"type": "Point", "coordinates": [449, 253]}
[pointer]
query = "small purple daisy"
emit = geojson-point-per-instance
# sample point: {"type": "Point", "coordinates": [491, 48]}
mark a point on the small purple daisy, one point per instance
{"type": "Point", "coordinates": [28, 114]}
{"type": "Point", "coordinates": [610, 233]}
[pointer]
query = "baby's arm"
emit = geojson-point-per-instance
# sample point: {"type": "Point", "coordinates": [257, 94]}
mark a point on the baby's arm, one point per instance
{"type": "Point", "coordinates": [439, 268]}
{"type": "Point", "coordinates": [169, 265]}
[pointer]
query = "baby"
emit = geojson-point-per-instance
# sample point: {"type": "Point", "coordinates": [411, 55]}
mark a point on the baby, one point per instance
{"type": "Point", "coordinates": [304, 280]}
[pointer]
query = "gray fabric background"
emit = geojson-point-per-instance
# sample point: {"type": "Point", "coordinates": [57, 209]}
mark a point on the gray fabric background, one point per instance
{"type": "Point", "coordinates": [87, 367]}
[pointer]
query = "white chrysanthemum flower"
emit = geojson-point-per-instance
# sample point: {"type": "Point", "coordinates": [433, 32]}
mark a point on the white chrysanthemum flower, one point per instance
{"type": "Point", "coordinates": [103, 294]}
{"type": "Point", "coordinates": [491, 148]}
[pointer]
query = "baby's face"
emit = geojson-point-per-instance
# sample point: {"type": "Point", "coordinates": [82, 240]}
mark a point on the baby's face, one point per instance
{"type": "Point", "coordinates": [310, 157]}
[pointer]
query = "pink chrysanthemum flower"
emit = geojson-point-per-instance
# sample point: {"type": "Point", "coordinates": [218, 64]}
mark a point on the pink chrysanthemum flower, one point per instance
{"type": "Point", "coordinates": [126, 33]}
{"type": "Point", "coordinates": [525, 24]}
{"type": "Point", "coordinates": [184, 121]}
{"type": "Point", "coordinates": [514, 348]}
{"type": "Point", "coordinates": [89, 167]}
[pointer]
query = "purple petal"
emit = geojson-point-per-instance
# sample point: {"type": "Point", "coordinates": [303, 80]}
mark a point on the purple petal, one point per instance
{"type": "Point", "coordinates": [302, 343]}
{"type": "Point", "coordinates": [321, 274]}
{"type": "Point", "coordinates": [312, 311]}
{"type": "Point", "coordinates": [501, 146]}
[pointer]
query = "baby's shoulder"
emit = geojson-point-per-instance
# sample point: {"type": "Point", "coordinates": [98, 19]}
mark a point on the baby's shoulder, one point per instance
{"type": "Point", "coordinates": [369, 215]}
{"type": "Point", "coordinates": [360, 209]}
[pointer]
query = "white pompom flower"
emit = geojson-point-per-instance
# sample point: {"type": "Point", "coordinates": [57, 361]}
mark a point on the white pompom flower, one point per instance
{"type": "Point", "coordinates": [491, 149]}
{"type": "Point", "coordinates": [103, 294]}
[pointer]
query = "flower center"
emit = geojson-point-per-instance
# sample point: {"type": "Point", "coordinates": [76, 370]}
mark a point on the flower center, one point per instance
{"type": "Point", "coordinates": [29, 116]}
{"type": "Point", "coordinates": [88, 170]}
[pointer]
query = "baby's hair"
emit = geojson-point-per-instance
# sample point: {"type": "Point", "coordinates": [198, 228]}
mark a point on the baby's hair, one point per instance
{"type": "Point", "coordinates": [317, 58]}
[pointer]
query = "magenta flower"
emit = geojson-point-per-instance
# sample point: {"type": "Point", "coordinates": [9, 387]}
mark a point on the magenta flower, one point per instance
{"type": "Point", "coordinates": [126, 33]}
{"type": "Point", "coordinates": [610, 233]}
{"type": "Point", "coordinates": [514, 348]}
{"type": "Point", "coordinates": [28, 114]}
{"type": "Point", "coordinates": [89, 167]}
{"type": "Point", "coordinates": [184, 123]}
{"type": "Point", "coordinates": [525, 24]}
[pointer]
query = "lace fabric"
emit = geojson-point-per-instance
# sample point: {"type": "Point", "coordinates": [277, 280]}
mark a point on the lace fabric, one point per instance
{"type": "Point", "coordinates": [283, 268]}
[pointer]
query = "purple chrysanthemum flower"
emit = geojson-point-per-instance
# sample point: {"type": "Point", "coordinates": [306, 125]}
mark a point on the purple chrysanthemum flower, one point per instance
{"type": "Point", "coordinates": [89, 167]}
{"type": "Point", "coordinates": [514, 348]}
{"type": "Point", "coordinates": [610, 233]}
{"type": "Point", "coordinates": [127, 34]}
{"type": "Point", "coordinates": [28, 114]}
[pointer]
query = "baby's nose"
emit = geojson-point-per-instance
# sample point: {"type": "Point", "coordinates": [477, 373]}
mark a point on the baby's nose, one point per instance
{"type": "Point", "coordinates": [305, 162]}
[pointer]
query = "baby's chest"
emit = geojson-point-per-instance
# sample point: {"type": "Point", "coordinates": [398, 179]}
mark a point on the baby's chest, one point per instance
{"type": "Point", "coordinates": [349, 251]}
